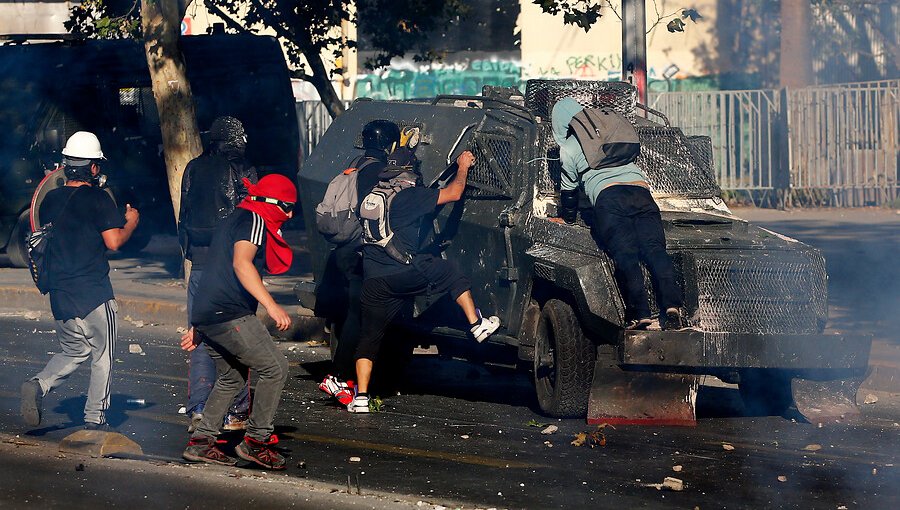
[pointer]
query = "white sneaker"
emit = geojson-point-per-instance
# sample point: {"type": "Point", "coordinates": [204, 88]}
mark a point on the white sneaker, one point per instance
{"type": "Point", "coordinates": [359, 404]}
{"type": "Point", "coordinates": [485, 327]}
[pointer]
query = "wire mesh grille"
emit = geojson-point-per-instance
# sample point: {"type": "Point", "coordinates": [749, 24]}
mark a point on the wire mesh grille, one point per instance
{"type": "Point", "coordinates": [674, 164]}
{"type": "Point", "coordinates": [541, 95]}
{"type": "Point", "coordinates": [548, 163]}
{"type": "Point", "coordinates": [759, 293]}
{"type": "Point", "coordinates": [494, 159]}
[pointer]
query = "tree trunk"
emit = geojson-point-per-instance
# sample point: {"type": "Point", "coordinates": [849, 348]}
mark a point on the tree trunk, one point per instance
{"type": "Point", "coordinates": [318, 76]}
{"type": "Point", "coordinates": [796, 59]}
{"type": "Point", "coordinates": [161, 24]}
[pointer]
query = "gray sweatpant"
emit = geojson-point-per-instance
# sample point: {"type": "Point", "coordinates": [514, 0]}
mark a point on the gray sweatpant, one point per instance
{"type": "Point", "coordinates": [94, 336]}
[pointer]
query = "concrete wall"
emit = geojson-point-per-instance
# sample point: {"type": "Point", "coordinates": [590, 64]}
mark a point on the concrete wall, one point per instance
{"type": "Point", "coordinates": [25, 17]}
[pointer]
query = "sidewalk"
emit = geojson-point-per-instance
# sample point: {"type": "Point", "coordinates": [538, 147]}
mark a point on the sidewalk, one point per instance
{"type": "Point", "coordinates": [148, 288]}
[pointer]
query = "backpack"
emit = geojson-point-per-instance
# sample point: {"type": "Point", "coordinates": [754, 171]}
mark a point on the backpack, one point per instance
{"type": "Point", "coordinates": [606, 137]}
{"type": "Point", "coordinates": [38, 247]}
{"type": "Point", "coordinates": [375, 215]}
{"type": "Point", "coordinates": [336, 215]}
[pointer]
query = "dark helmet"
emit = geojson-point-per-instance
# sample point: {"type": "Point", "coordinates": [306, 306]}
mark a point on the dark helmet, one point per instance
{"type": "Point", "coordinates": [229, 131]}
{"type": "Point", "coordinates": [381, 135]}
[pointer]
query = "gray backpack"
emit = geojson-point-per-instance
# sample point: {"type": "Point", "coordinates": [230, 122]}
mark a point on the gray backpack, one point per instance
{"type": "Point", "coordinates": [336, 214]}
{"type": "Point", "coordinates": [375, 215]}
{"type": "Point", "coordinates": [606, 137]}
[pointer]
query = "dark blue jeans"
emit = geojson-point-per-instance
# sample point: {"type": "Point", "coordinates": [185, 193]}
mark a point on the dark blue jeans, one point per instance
{"type": "Point", "coordinates": [627, 225]}
{"type": "Point", "coordinates": [202, 370]}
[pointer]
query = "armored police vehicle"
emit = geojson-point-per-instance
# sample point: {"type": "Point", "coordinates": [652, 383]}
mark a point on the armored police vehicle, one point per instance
{"type": "Point", "coordinates": [756, 300]}
{"type": "Point", "coordinates": [50, 90]}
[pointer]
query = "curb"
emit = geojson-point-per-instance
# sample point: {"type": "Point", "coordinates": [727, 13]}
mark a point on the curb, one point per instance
{"type": "Point", "coordinates": [304, 326]}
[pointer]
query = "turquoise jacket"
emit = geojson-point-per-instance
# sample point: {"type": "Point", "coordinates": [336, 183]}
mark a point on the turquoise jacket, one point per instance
{"type": "Point", "coordinates": [574, 162]}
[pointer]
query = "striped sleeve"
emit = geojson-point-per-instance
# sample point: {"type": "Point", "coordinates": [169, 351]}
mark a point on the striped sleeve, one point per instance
{"type": "Point", "coordinates": [257, 230]}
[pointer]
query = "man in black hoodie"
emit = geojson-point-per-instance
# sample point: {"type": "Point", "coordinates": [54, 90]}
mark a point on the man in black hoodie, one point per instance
{"type": "Point", "coordinates": [210, 189]}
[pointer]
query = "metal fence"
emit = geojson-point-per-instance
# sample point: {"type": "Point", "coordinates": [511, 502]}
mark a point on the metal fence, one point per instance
{"type": "Point", "coordinates": [834, 145]}
{"type": "Point", "coordinates": [822, 146]}
{"type": "Point", "coordinates": [845, 141]}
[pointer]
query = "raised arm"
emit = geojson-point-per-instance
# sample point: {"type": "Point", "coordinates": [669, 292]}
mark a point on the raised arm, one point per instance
{"type": "Point", "coordinates": [457, 186]}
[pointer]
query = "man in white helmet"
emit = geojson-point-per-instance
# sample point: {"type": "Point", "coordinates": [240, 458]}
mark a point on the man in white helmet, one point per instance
{"type": "Point", "coordinates": [86, 223]}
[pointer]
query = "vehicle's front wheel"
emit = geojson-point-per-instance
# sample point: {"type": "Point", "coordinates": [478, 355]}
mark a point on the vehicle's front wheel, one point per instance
{"type": "Point", "coordinates": [563, 362]}
{"type": "Point", "coordinates": [17, 250]}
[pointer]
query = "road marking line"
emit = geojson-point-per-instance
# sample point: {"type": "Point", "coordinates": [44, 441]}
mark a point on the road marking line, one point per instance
{"type": "Point", "coordinates": [415, 452]}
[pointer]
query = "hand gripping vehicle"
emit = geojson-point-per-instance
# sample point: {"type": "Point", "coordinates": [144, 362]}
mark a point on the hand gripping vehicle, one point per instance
{"type": "Point", "coordinates": [756, 300]}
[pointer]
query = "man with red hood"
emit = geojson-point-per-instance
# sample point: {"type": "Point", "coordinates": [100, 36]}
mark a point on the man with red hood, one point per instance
{"type": "Point", "coordinates": [224, 317]}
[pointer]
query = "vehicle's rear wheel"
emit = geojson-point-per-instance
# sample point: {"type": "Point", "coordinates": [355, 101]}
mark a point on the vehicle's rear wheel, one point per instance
{"type": "Point", "coordinates": [563, 362]}
{"type": "Point", "coordinates": [765, 392]}
{"type": "Point", "coordinates": [16, 250]}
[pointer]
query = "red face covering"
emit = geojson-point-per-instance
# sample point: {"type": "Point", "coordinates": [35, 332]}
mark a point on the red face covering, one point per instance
{"type": "Point", "coordinates": [278, 254]}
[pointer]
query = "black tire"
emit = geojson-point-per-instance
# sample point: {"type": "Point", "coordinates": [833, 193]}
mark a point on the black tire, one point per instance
{"type": "Point", "coordinates": [563, 362]}
{"type": "Point", "coordinates": [16, 250]}
{"type": "Point", "coordinates": [765, 392]}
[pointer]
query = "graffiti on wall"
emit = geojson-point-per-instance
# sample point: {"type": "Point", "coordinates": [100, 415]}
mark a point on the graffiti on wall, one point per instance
{"type": "Point", "coordinates": [408, 81]}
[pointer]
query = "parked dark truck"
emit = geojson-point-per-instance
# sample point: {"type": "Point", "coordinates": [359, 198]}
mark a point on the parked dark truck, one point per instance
{"type": "Point", "coordinates": [757, 300]}
{"type": "Point", "coordinates": [49, 90]}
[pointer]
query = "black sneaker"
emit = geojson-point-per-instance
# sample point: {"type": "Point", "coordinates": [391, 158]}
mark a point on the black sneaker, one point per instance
{"type": "Point", "coordinates": [32, 402]}
{"type": "Point", "coordinates": [261, 452]}
{"type": "Point", "coordinates": [638, 324]}
{"type": "Point", "coordinates": [204, 449]}
{"type": "Point", "coordinates": [96, 426]}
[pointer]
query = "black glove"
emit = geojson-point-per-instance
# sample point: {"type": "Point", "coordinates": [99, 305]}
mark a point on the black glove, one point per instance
{"type": "Point", "coordinates": [568, 205]}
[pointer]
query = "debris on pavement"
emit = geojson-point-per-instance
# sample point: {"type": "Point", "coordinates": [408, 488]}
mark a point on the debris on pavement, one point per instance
{"type": "Point", "coordinates": [181, 330]}
{"type": "Point", "coordinates": [534, 423]}
{"type": "Point", "coordinates": [79, 467]}
{"type": "Point", "coordinates": [301, 465]}
{"type": "Point", "coordinates": [182, 410]}
{"type": "Point", "coordinates": [315, 343]}
{"type": "Point", "coordinates": [548, 444]}
{"type": "Point", "coordinates": [32, 315]}
{"type": "Point", "coordinates": [812, 447]}
{"type": "Point", "coordinates": [870, 399]}
{"type": "Point", "coordinates": [677, 468]}
{"type": "Point", "coordinates": [355, 459]}
{"type": "Point", "coordinates": [728, 447]}
{"type": "Point", "coordinates": [782, 478]}
{"type": "Point", "coordinates": [465, 436]}
{"type": "Point", "coordinates": [135, 349]}
{"type": "Point", "coordinates": [592, 439]}
{"type": "Point", "coordinates": [669, 483]}
{"type": "Point", "coordinates": [550, 430]}
{"type": "Point", "coordinates": [19, 442]}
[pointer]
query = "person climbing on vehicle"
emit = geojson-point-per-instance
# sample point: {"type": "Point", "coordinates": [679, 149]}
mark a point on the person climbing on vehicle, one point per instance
{"type": "Point", "coordinates": [343, 279]}
{"type": "Point", "coordinates": [627, 222]}
{"type": "Point", "coordinates": [210, 189]}
{"type": "Point", "coordinates": [394, 270]}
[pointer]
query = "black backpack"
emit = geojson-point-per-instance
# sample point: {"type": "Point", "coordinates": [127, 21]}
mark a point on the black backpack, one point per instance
{"type": "Point", "coordinates": [38, 245]}
{"type": "Point", "coordinates": [607, 138]}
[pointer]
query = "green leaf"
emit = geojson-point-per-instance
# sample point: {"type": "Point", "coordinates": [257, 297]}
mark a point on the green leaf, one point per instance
{"type": "Point", "coordinates": [535, 423]}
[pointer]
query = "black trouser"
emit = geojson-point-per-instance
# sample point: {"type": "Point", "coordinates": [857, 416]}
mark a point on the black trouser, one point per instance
{"type": "Point", "coordinates": [627, 225]}
{"type": "Point", "coordinates": [382, 298]}
{"type": "Point", "coordinates": [349, 263]}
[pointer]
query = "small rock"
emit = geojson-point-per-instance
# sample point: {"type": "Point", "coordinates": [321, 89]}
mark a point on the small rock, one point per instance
{"type": "Point", "coordinates": [727, 447]}
{"type": "Point", "coordinates": [135, 349]}
{"type": "Point", "coordinates": [32, 315]}
{"type": "Point", "coordinates": [301, 465]}
{"type": "Point", "coordinates": [870, 399]}
{"type": "Point", "coordinates": [355, 459]}
{"type": "Point", "coordinates": [465, 436]}
{"type": "Point", "coordinates": [782, 478]}
{"type": "Point", "coordinates": [874, 471]}
{"type": "Point", "coordinates": [138, 324]}
{"type": "Point", "coordinates": [181, 330]}
{"type": "Point", "coordinates": [548, 444]}
{"type": "Point", "coordinates": [673, 484]}
{"type": "Point", "coordinates": [182, 410]}
{"type": "Point", "coordinates": [677, 469]}
{"type": "Point", "coordinates": [813, 447]}
{"type": "Point", "coordinates": [550, 430]}
{"type": "Point", "coordinates": [79, 467]}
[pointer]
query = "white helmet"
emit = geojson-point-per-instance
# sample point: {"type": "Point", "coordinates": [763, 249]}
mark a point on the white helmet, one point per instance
{"type": "Point", "coordinates": [83, 145]}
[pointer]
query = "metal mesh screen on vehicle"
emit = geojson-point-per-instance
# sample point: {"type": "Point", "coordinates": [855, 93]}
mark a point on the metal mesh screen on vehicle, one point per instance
{"type": "Point", "coordinates": [756, 293]}
{"type": "Point", "coordinates": [676, 164]}
{"type": "Point", "coordinates": [541, 95]}
{"type": "Point", "coordinates": [547, 160]}
{"type": "Point", "coordinates": [494, 159]}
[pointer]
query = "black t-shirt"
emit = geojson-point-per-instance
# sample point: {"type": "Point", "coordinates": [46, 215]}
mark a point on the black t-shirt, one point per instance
{"type": "Point", "coordinates": [408, 209]}
{"type": "Point", "coordinates": [79, 269]}
{"type": "Point", "coordinates": [220, 296]}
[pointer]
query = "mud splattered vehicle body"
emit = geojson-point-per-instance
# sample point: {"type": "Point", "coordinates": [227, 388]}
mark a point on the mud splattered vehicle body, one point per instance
{"type": "Point", "coordinates": [756, 299]}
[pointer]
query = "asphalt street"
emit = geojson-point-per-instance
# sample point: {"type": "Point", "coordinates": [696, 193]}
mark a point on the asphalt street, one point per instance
{"type": "Point", "coordinates": [453, 433]}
